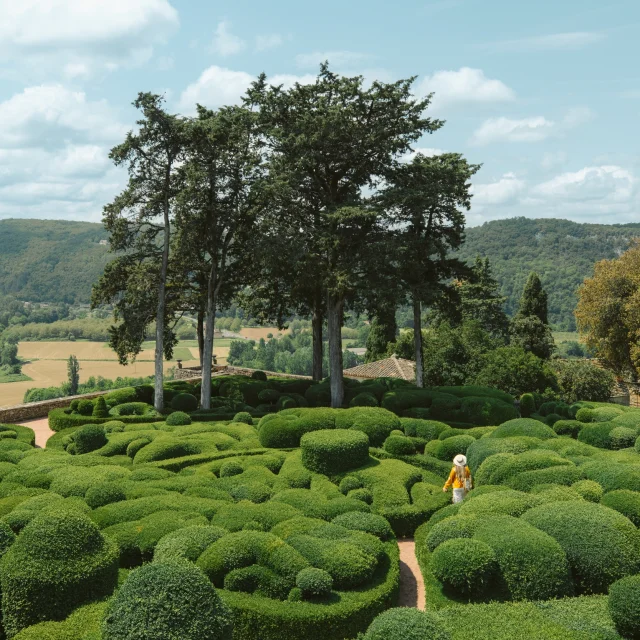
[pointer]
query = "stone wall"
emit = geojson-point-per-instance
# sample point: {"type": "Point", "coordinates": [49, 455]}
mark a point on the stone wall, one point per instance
{"type": "Point", "coordinates": [20, 412]}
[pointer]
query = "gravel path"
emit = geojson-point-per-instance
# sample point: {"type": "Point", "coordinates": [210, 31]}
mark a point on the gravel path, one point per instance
{"type": "Point", "coordinates": [411, 583]}
{"type": "Point", "coordinates": [41, 429]}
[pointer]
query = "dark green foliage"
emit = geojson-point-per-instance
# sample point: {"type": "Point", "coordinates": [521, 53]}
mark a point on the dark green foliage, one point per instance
{"type": "Point", "coordinates": [89, 438]}
{"type": "Point", "coordinates": [243, 416]}
{"type": "Point", "coordinates": [100, 494]}
{"type": "Point", "coordinates": [406, 624]}
{"type": "Point", "coordinates": [568, 427]}
{"type": "Point", "coordinates": [626, 502]}
{"type": "Point", "coordinates": [230, 468]}
{"type": "Point", "coordinates": [334, 450]}
{"type": "Point", "coordinates": [85, 407]}
{"type": "Point", "coordinates": [623, 437]}
{"type": "Point", "coordinates": [480, 450]}
{"type": "Point", "coordinates": [349, 483]}
{"type": "Point", "coordinates": [364, 400]}
{"type": "Point", "coordinates": [451, 447]}
{"type": "Point", "coordinates": [259, 375]}
{"type": "Point", "coordinates": [552, 418]}
{"type": "Point", "coordinates": [187, 543]}
{"type": "Point", "coordinates": [399, 446]}
{"type": "Point", "coordinates": [624, 606]}
{"type": "Point", "coordinates": [100, 409]}
{"type": "Point", "coordinates": [582, 380]}
{"type": "Point", "coordinates": [314, 582]}
{"type": "Point", "coordinates": [133, 409]}
{"type": "Point", "coordinates": [58, 562]}
{"type": "Point", "coordinates": [367, 522]}
{"type": "Point", "coordinates": [523, 427]}
{"type": "Point", "coordinates": [425, 429]}
{"type": "Point", "coordinates": [613, 475]}
{"type": "Point", "coordinates": [376, 423]}
{"type": "Point", "coordinates": [184, 402]}
{"type": "Point", "coordinates": [527, 405]}
{"type": "Point", "coordinates": [179, 604]}
{"type": "Point", "coordinates": [178, 419]}
{"type": "Point", "coordinates": [600, 544]}
{"type": "Point", "coordinates": [466, 566]}
{"type": "Point", "coordinates": [585, 415]}
{"type": "Point", "coordinates": [597, 434]}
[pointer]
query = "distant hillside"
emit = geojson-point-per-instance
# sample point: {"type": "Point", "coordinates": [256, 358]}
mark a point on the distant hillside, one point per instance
{"type": "Point", "coordinates": [562, 252]}
{"type": "Point", "coordinates": [51, 260]}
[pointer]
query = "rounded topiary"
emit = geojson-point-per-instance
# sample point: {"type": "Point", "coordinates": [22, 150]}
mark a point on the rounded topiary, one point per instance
{"type": "Point", "coordinates": [367, 522]}
{"type": "Point", "coordinates": [85, 407]}
{"type": "Point", "coordinates": [406, 624]}
{"type": "Point", "coordinates": [89, 437]}
{"type": "Point", "coordinates": [259, 375]}
{"type": "Point", "coordinates": [184, 402]}
{"type": "Point", "coordinates": [314, 582]}
{"type": "Point", "coordinates": [167, 600]}
{"type": "Point", "coordinates": [527, 405]}
{"type": "Point", "coordinates": [178, 419]}
{"type": "Point", "coordinates": [188, 543]}
{"type": "Point", "coordinates": [349, 483]}
{"type": "Point", "coordinates": [589, 489]}
{"type": "Point", "coordinates": [451, 447]}
{"type": "Point", "coordinates": [333, 451]}
{"type": "Point", "coordinates": [585, 415]}
{"type": "Point", "coordinates": [466, 566]}
{"type": "Point", "coordinates": [552, 418]}
{"type": "Point", "coordinates": [59, 561]}
{"type": "Point", "coordinates": [100, 409]}
{"type": "Point", "coordinates": [135, 446]}
{"type": "Point", "coordinates": [269, 395]}
{"type": "Point", "coordinates": [623, 437]}
{"type": "Point", "coordinates": [364, 400]}
{"type": "Point", "coordinates": [114, 426]}
{"type": "Point", "coordinates": [624, 606]}
{"type": "Point", "coordinates": [523, 427]}
{"type": "Point", "coordinates": [230, 468]}
{"type": "Point", "coordinates": [568, 427]}
{"type": "Point", "coordinates": [399, 446]}
{"type": "Point", "coordinates": [364, 495]}
{"type": "Point", "coordinates": [100, 494]}
{"type": "Point", "coordinates": [243, 416]}
{"type": "Point", "coordinates": [625, 502]}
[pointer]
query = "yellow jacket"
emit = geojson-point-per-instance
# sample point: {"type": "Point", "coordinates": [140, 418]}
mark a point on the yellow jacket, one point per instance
{"type": "Point", "coordinates": [455, 481]}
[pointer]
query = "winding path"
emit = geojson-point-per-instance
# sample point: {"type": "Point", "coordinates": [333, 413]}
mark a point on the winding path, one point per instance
{"type": "Point", "coordinates": [40, 427]}
{"type": "Point", "coordinates": [411, 583]}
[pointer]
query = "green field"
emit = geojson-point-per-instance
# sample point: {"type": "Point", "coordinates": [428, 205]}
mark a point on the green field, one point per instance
{"type": "Point", "coordinates": [14, 377]}
{"type": "Point", "coordinates": [566, 336]}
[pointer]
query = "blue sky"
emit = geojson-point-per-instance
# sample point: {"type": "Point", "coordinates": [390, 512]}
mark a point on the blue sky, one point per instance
{"type": "Point", "coordinates": [545, 94]}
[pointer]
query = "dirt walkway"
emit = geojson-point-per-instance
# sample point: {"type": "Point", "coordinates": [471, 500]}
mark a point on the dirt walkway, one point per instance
{"type": "Point", "coordinates": [41, 428]}
{"type": "Point", "coordinates": [411, 583]}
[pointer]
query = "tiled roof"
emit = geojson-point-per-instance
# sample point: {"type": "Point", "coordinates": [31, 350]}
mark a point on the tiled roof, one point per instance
{"type": "Point", "coordinates": [388, 368]}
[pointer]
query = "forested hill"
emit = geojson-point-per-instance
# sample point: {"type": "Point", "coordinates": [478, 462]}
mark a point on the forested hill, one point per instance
{"type": "Point", "coordinates": [51, 260]}
{"type": "Point", "coordinates": [562, 252]}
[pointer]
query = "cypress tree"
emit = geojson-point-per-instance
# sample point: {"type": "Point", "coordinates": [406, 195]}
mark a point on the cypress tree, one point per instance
{"type": "Point", "coordinates": [534, 299]}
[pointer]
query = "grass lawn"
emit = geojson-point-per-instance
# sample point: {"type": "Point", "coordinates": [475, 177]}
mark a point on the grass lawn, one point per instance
{"type": "Point", "coordinates": [566, 336]}
{"type": "Point", "coordinates": [14, 377]}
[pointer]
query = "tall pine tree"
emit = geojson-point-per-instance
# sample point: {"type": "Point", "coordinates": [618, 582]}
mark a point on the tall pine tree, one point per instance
{"type": "Point", "coordinates": [529, 328]}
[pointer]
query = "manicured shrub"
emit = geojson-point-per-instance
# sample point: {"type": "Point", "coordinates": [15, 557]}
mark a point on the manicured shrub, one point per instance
{"type": "Point", "coordinates": [133, 409]}
{"type": "Point", "coordinates": [334, 450]}
{"type": "Point", "coordinates": [121, 396]}
{"type": "Point", "coordinates": [606, 414]}
{"type": "Point", "coordinates": [466, 566]}
{"type": "Point", "coordinates": [367, 522]}
{"type": "Point", "coordinates": [399, 446]}
{"type": "Point", "coordinates": [597, 434]}
{"type": "Point", "coordinates": [89, 438]}
{"type": "Point", "coordinates": [623, 437]}
{"type": "Point", "coordinates": [259, 375]}
{"type": "Point", "coordinates": [552, 418]}
{"type": "Point", "coordinates": [280, 433]}
{"type": "Point", "coordinates": [114, 426]}
{"type": "Point", "coordinates": [179, 602]}
{"type": "Point", "coordinates": [59, 561]}
{"type": "Point", "coordinates": [187, 543]}
{"type": "Point", "coordinates": [523, 427]}
{"type": "Point", "coordinates": [364, 399]}
{"type": "Point", "coordinates": [600, 544]}
{"type": "Point", "coordinates": [100, 494]}
{"type": "Point", "coordinates": [100, 409]}
{"type": "Point", "coordinates": [314, 582]}
{"type": "Point", "coordinates": [527, 405]}
{"type": "Point", "coordinates": [230, 468]}
{"type": "Point", "coordinates": [426, 429]}
{"type": "Point", "coordinates": [613, 475]}
{"type": "Point", "coordinates": [184, 402]}
{"type": "Point", "coordinates": [451, 447]}
{"type": "Point", "coordinates": [568, 427]}
{"type": "Point", "coordinates": [349, 483]}
{"type": "Point", "coordinates": [135, 445]}
{"type": "Point", "coordinates": [365, 495]}
{"type": "Point", "coordinates": [480, 450]}
{"type": "Point", "coordinates": [406, 624]}
{"type": "Point", "coordinates": [624, 606]}
{"type": "Point", "coordinates": [85, 407]}
{"type": "Point", "coordinates": [375, 422]}
{"type": "Point", "coordinates": [585, 415]}
{"type": "Point", "coordinates": [589, 490]}
{"type": "Point", "coordinates": [625, 502]}
{"type": "Point", "coordinates": [243, 416]}
{"type": "Point", "coordinates": [178, 419]}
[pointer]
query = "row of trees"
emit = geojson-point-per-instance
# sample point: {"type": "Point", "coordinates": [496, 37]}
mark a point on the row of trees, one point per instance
{"type": "Point", "coordinates": [300, 201]}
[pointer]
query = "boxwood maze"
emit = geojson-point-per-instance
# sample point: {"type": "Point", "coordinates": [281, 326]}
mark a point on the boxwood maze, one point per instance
{"type": "Point", "coordinates": [282, 524]}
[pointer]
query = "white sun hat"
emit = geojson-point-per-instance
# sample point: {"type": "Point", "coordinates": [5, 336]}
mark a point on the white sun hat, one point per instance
{"type": "Point", "coordinates": [460, 460]}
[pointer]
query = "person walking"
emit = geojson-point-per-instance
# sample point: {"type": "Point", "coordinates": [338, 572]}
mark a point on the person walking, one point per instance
{"type": "Point", "coordinates": [459, 478]}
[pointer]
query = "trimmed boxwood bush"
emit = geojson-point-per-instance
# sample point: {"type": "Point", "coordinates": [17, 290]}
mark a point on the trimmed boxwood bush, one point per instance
{"type": "Point", "coordinates": [333, 451]}
{"type": "Point", "coordinates": [624, 606]}
{"type": "Point", "coordinates": [406, 624]}
{"type": "Point", "coordinates": [588, 489]}
{"type": "Point", "coordinates": [466, 566]}
{"type": "Point", "coordinates": [243, 416]}
{"type": "Point", "coordinates": [89, 438]}
{"type": "Point", "coordinates": [399, 446]}
{"type": "Point", "coordinates": [100, 494]}
{"type": "Point", "coordinates": [186, 402]}
{"type": "Point", "coordinates": [451, 447]}
{"type": "Point", "coordinates": [568, 427]}
{"type": "Point", "coordinates": [58, 562]}
{"type": "Point", "coordinates": [601, 545]}
{"type": "Point", "coordinates": [349, 483]}
{"type": "Point", "coordinates": [167, 600]}
{"type": "Point", "coordinates": [625, 502]}
{"type": "Point", "coordinates": [141, 409]}
{"type": "Point", "coordinates": [375, 422]}
{"type": "Point", "coordinates": [314, 582]}
{"type": "Point", "coordinates": [597, 434]}
{"type": "Point", "coordinates": [623, 437]}
{"type": "Point", "coordinates": [187, 543]}
{"type": "Point", "coordinates": [524, 427]}
{"type": "Point", "coordinates": [178, 419]}
{"type": "Point", "coordinates": [425, 429]}
{"type": "Point", "coordinates": [85, 407]}
{"type": "Point", "coordinates": [100, 409]}
{"type": "Point", "coordinates": [259, 375]}
{"type": "Point", "coordinates": [527, 405]}
{"type": "Point", "coordinates": [585, 415]}
{"type": "Point", "coordinates": [367, 522]}
{"type": "Point", "coordinates": [364, 399]}
{"type": "Point", "coordinates": [230, 468]}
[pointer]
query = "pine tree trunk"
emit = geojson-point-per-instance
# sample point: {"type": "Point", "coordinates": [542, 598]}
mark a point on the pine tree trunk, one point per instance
{"type": "Point", "coordinates": [207, 352]}
{"type": "Point", "coordinates": [316, 324]}
{"type": "Point", "coordinates": [335, 307]}
{"type": "Point", "coordinates": [158, 401]}
{"type": "Point", "coordinates": [200, 334]}
{"type": "Point", "coordinates": [417, 339]}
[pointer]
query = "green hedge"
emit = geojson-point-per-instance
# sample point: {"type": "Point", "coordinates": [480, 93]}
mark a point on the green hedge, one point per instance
{"type": "Point", "coordinates": [334, 450]}
{"type": "Point", "coordinates": [59, 420]}
{"type": "Point", "coordinates": [406, 624]}
{"type": "Point", "coordinates": [625, 502]}
{"type": "Point", "coordinates": [23, 434]}
{"type": "Point", "coordinates": [624, 606]}
{"type": "Point", "coordinates": [524, 427]}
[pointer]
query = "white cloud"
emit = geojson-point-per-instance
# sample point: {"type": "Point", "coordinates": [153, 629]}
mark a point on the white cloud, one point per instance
{"type": "Point", "coordinates": [553, 159]}
{"type": "Point", "coordinates": [571, 41]}
{"type": "Point", "coordinates": [268, 41]}
{"type": "Point", "coordinates": [51, 115]}
{"type": "Point", "coordinates": [464, 86]}
{"type": "Point", "coordinates": [578, 116]}
{"type": "Point", "coordinates": [80, 36]}
{"type": "Point", "coordinates": [337, 59]}
{"type": "Point", "coordinates": [218, 86]}
{"type": "Point", "coordinates": [503, 191]}
{"type": "Point", "coordinates": [507, 130]}
{"type": "Point", "coordinates": [226, 43]}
